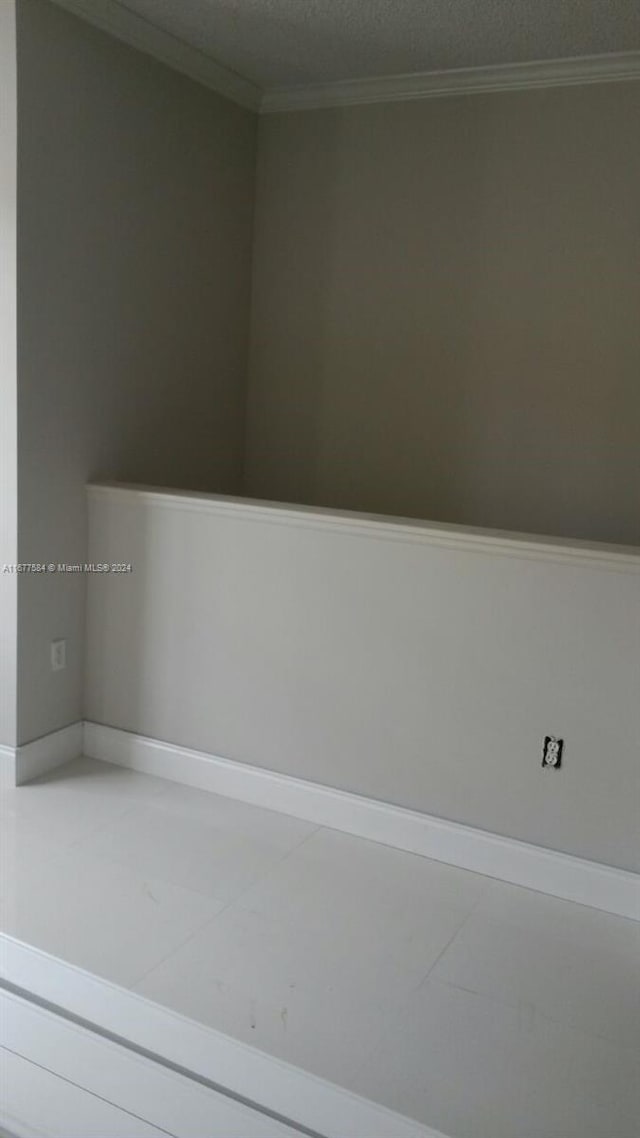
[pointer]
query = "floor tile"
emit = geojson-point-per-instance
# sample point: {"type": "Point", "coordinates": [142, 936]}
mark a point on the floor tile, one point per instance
{"type": "Point", "coordinates": [24, 853]}
{"type": "Point", "coordinates": [193, 849]}
{"type": "Point", "coordinates": [96, 777]}
{"type": "Point", "coordinates": [109, 919]}
{"type": "Point", "coordinates": [477, 1068]}
{"type": "Point", "coordinates": [572, 964]}
{"type": "Point", "coordinates": [368, 891]}
{"type": "Point", "coordinates": [76, 800]}
{"type": "Point", "coordinates": [482, 1009]}
{"type": "Point", "coordinates": [296, 994]}
{"type": "Point", "coordinates": [281, 831]}
{"type": "Point", "coordinates": [568, 920]}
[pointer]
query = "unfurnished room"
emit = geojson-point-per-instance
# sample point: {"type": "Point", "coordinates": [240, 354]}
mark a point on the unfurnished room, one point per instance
{"type": "Point", "coordinates": [319, 568]}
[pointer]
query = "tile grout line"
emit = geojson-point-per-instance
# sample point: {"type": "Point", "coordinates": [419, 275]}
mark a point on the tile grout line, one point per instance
{"type": "Point", "coordinates": [272, 869]}
{"type": "Point", "coordinates": [442, 953]}
{"type": "Point", "coordinates": [565, 1024]}
{"type": "Point", "coordinates": [210, 920]}
{"type": "Point", "coordinates": [471, 913]}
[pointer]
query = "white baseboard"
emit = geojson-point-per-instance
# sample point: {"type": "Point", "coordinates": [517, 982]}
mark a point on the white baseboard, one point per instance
{"type": "Point", "coordinates": [547, 871]}
{"type": "Point", "coordinates": [245, 1074]}
{"type": "Point", "coordinates": [48, 752]}
{"type": "Point", "coordinates": [19, 765]}
{"type": "Point", "coordinates": [7, 767]}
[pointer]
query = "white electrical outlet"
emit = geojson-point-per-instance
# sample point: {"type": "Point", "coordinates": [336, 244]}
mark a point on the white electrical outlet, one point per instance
{"type": "Point", "coordinates": [58, 655]}
{"type": "Point", "coordinates": [552, 752]}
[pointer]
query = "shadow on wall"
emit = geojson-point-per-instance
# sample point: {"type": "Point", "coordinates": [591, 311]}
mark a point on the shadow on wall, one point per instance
{"type": "Point", "coordinates": [445, 311]}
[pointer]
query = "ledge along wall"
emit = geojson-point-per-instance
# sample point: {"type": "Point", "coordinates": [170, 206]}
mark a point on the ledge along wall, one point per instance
{"type": "Point", "coordinates": [417, 664]}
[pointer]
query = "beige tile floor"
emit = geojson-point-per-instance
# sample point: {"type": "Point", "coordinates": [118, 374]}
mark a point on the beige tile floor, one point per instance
{"type": "Point", "coordinates": [482, 1009]}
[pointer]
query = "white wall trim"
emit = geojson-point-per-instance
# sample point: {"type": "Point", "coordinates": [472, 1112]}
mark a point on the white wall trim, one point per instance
{"type": "Point", "coordinates": [119, 21]}
{"type": "Point", "coordinates": [244, 1071]}
{"type": "Point", "coordinates": [140, 33]}
{"type": "Point", "coordinates": [620, 558]}
{"type": "Point", "coordinates": [547, 871]}
{"type": "Point", "coordinates": [464, 81]}
{"type": "Point", "coordinates": [7, 767]}
{"type": "Point", "coordinates": [22, 764]}
{"type": "Point", "coordinates": [136, 1086]}
{"type": "Point", "coordinates": [39, 1104]}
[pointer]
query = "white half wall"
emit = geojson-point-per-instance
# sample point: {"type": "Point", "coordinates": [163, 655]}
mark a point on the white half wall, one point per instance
{"type": "Point", "coordinates": [8, 380]}
{"type": "Point", "coordinates": [417, 664]}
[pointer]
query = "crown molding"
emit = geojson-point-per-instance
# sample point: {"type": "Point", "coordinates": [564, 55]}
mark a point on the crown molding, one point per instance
{"type": "Point", "coordinates": [117, 20]}
{"type": "Point", "coordinates": [466, 81]}
{"type": "Point", "coordinates": [111, 17]}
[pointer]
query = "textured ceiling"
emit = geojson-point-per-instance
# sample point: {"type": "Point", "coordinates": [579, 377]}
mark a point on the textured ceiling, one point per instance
{"type": "Point", "coordinates": [281, 43]}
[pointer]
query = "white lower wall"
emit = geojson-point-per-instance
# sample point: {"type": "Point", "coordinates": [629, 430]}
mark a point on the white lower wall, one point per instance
{"type": "Point", "coordinates": [420, 665]}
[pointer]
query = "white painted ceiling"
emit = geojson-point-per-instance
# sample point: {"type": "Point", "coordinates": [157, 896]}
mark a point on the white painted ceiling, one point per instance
{"type": "Point", "coordinates": [284, 43]}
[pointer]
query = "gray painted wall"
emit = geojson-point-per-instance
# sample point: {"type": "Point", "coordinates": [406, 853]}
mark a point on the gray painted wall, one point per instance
{"type": "Point", "coordinates": [8, 426]}
{"type": "Point", "coordinates": [409, 667]}
{"type": "Point", "coordinates": [445, 300]}
{"type": "Point", "coordinates": [445, 315]}
{"type": "Point", "coordinates": [135, 220]}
